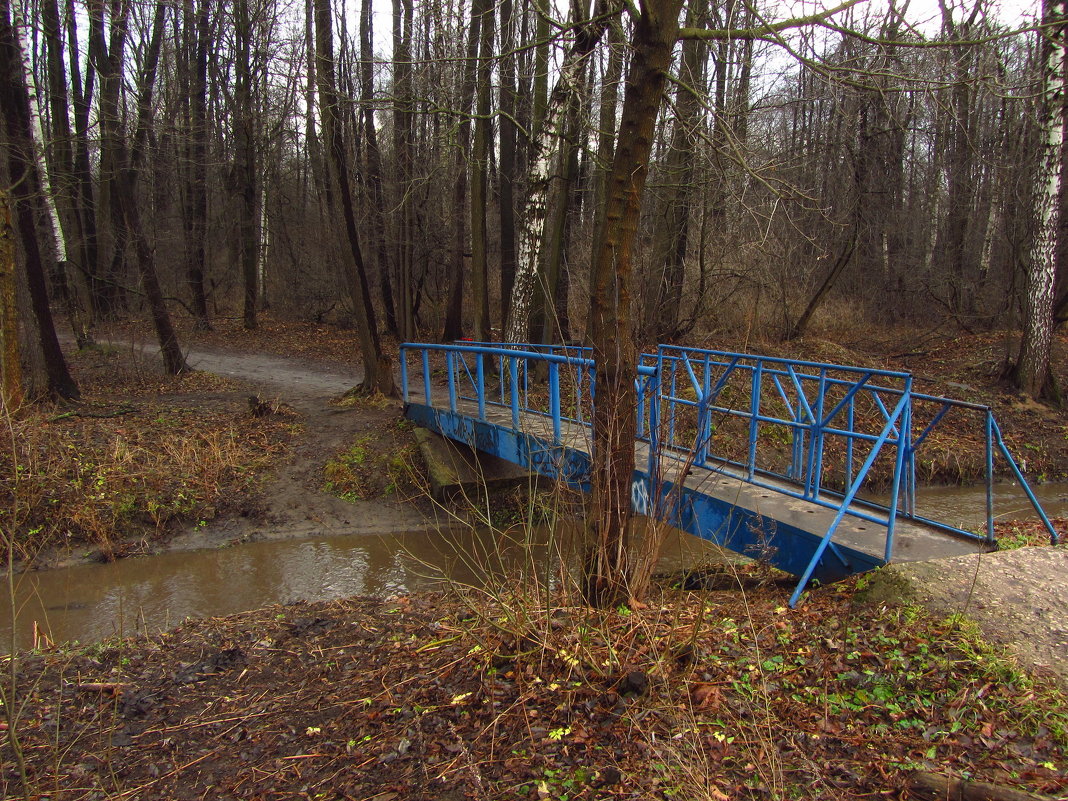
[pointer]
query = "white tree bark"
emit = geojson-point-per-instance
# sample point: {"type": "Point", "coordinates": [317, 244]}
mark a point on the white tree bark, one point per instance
{"type": "Point", "coordinates": [1033, 367]}
{"type": "Point", "coordinates": [60, 246]}
{"type": "Point", "coordinates": [542, 157]}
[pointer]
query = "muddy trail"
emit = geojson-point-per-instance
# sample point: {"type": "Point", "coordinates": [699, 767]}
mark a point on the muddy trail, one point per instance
{"type": "Point", "coordinates": [293, 502]}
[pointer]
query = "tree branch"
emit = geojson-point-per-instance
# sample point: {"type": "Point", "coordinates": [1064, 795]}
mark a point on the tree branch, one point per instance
{"type": "Point", "coordinates": [762, 31]}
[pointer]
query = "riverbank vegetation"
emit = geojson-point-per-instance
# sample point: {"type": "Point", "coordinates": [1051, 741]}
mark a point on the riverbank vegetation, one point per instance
{"type": "Point", "coordinates": [715, 693]}
{"type": "Point", "coordinates": [142, 455]}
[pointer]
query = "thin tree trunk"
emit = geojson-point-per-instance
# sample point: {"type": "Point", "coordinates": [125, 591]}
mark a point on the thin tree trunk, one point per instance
{"type": "Point", "coordinates": [454, 326]}
{"type": "Point", "coordinates": [61, 170]}
{"type": "Point", "coordinates": [480, 183]}
{"type": "Point", "coordinates": [246, 167]}
{"type": "Point", "coordinates": [377, 373]}
{"type": "Point", "coordinates": [374, 168]}
{"type": "Point", "coordinates": [85, 198]}
{"type": "Point", "coordinates": [508, 157]}
{"type": "Point", "coordinates": [402, 149]}
{"type": "Point", "coordinates": [197, 41]}
{"type": "Point", "coordinates": [541, 161]}
{"type": "Point", "coordinates": [10, 362]}
{"type": "Point", "coordinates": [605, 567]}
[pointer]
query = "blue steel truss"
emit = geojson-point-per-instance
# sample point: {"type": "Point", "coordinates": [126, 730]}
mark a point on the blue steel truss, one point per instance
{"type": "Point", "coordinates": [825, 434]}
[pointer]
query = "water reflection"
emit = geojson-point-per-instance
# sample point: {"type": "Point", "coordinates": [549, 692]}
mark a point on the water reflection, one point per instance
{"type": "Point", "coordinates": [92, 602]}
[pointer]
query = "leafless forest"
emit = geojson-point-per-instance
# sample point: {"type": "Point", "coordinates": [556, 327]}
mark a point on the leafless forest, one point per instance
{"type": "Point", "coordinates": [443, 169]}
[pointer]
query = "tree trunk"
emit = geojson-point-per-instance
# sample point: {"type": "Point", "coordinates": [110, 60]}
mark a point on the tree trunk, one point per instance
{"type": "Point", "coordinates": [402, 150]}
{"type": "Point", "coordinates": [508, 157]}
{"type": "Point", "coordinates": [454, 326]}
{"type": "Point", "coordinates": [480, 183]}
{"type": "Point", "coordinates": [374, 169]}
{"type": "Point", "coordinates": [1032, 374]}
{"type": "Point", "coordinates": [197, 41]}
{"type": "Point", "coordinates": [20, 165]}
{"type": "Point", "coordinates": [377, 373]}
{"type": "Point", "coordinates": [10, 364]}
{"type": "Point", "coordinates": [61, 170]}
{"type": "Point", "coordinates": [541, 159]}
{"type": "Point", "coordinates": [85, 197]}
{"type": "Point", "coordinates": [672, 236]}
{"type": "Point", "coordinates": [246, 168]}
{"type": "Point", "coordinates": [605, 580]}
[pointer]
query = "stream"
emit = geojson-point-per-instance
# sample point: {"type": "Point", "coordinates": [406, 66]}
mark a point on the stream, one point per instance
{"type": "Point", "coordinates": [88, 603]}
{"type": "Point", "coordinates": [92, 602]}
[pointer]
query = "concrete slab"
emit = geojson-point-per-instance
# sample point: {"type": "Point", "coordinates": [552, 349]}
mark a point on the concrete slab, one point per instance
{"type": "Point", "coordinates": [458, 471]}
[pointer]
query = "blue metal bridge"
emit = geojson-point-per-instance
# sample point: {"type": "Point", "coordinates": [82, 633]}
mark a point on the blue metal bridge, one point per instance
{"type": "Point", "coordinates": [810, 466]}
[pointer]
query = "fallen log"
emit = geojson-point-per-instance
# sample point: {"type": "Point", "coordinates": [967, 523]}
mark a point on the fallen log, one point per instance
{"type": "Point", "coordinates": [949, 788]}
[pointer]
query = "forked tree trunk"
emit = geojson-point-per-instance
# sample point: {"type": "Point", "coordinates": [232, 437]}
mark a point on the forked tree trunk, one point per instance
{"type": "Point", "coordinates": [1032, 374]}
{"type": "Point", "coordinates": [606, 580]}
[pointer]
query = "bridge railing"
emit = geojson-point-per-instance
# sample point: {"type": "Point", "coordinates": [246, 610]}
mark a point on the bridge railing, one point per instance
{"type": "Point", "coordinates": [847, 438]}
{"type": "Point", "coordinates": [816, 431]}
{"type": "Point", "coordinates": [552, 381]}
{"type": "Point", "coordinates": [929, 414]}
{"type": "Point", "coordinates": [804, 429]}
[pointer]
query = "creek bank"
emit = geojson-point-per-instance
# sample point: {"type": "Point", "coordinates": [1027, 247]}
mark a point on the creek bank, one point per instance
{"type": "Point", "coordinates": [719, 694]}
{"type": "Point", "coordinates": [1018, 598]}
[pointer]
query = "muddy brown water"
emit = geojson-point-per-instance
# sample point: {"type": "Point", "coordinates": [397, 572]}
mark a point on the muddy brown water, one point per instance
{"type": "Point", "coordinates": [89, 603]}
{"type": "Point", "coordinates": [965, 507]}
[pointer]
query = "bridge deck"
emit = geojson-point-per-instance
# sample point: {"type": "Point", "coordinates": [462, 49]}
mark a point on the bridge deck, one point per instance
{"type": "Point", "coordinates": [913, 541]}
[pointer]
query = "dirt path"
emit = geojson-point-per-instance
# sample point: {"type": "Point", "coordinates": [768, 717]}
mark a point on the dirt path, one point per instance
{"type": "Point", "coordinates": [296, 505]}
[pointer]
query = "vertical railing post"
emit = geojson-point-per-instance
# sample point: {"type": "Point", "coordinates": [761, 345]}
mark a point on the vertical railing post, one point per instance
{"type": "Point", "coordinates": [904, 441]}
{"type": "Point", "coordinates": [988, 424]}
{"type": "Point", "coordinates": [653, 390]}
{"type": "Point", "coordinates": [797, 453]}
{"type": "Point", "coordinates": [480, 380]}
{"type": "Point", "coordinates": [704, 423]}
{"type": "Point", "coordinates": [426, 376]}
{"type": "Point", "coordinates": [754, 416]}
{"type": "Point", "coordinates": [450, 367]}
{"type": "Point", "coordinates": [554, 399]}
{"type": "Point", "coordinates": [851, 414]}
{"type": "Point", "coordinates": [404, 373]}
{"type": "Point", "coordinates": [513, 380]}
{"type": "Point", "coordinates": [818, 437]}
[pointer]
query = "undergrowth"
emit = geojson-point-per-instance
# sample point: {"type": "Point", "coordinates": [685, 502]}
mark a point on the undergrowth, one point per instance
{"type": "Point", "coordinates": [126, 461]}
{"type": "Point", "coordinates": [381, 465]}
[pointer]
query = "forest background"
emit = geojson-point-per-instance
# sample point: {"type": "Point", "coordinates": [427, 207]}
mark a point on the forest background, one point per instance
{"type": "Point", "coordinates": [210, 157]}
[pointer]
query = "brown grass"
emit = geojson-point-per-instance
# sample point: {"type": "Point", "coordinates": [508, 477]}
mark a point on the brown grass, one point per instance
{"type": "Point", "coordinates": [137, 454]}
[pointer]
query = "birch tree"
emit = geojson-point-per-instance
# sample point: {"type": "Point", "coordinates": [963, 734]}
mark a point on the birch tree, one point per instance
{"type": "Point", "coordinates": [1032, 374]}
